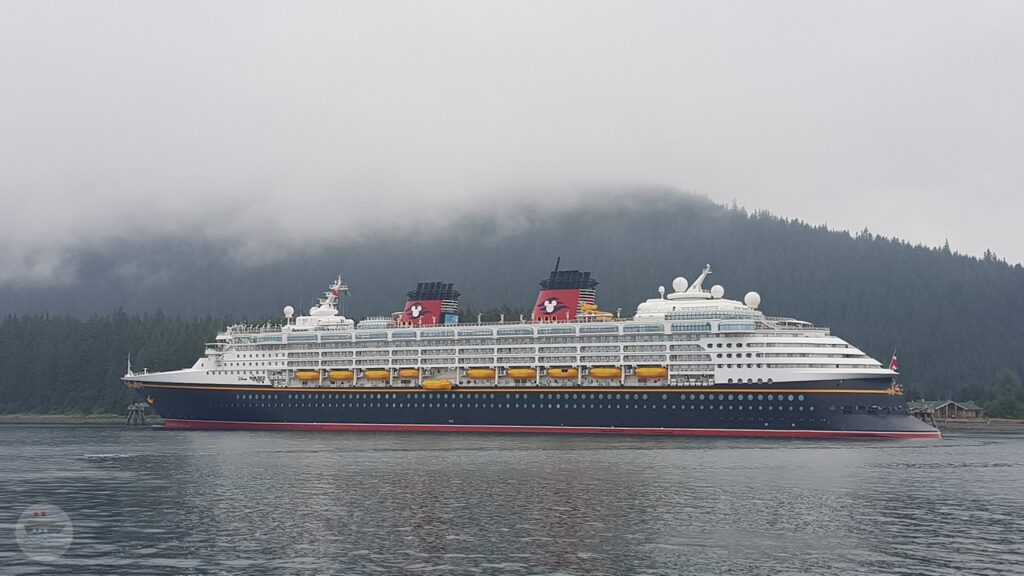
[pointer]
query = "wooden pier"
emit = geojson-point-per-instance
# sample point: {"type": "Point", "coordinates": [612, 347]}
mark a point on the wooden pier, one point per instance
{"type": "Point", "coordinates": [136, 414]}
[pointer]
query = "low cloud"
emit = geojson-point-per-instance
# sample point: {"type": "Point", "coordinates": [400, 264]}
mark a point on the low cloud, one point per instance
{"type": "Point", "coordinates": [269, 129]}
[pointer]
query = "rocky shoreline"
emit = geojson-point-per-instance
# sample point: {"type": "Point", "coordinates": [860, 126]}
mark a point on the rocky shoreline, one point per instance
{"type": "Point", "coordinates": [72, 419]}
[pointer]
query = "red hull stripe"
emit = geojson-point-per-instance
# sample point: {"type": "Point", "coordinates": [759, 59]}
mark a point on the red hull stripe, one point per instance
{"type": "Point", "coordinates": [225, 425]}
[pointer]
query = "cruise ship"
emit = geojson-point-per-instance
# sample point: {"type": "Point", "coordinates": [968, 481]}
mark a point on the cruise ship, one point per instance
{"type": "Point", "coordinates": [687, 362]}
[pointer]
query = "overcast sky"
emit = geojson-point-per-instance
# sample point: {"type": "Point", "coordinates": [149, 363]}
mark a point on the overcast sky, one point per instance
{"type": "Point", "coordinates": [241, 118]}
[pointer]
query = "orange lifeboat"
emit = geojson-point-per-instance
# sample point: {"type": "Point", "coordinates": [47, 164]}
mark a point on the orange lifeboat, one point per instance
{"type": "Point", "coordinates": [409, 373]}
{"type": "Point", "coordinates": [377, 374]}
{"type": "Point", "coordinates": [606, 372]}
{"type": "Point", "coordinates": [480, 373]}
{"type": "Point", "coordinates": [437, 384]}
{"type": "Point", "coordinates": [336, 375]}
{"type": "Point", "coordinates": [648, 372]}
{"type": "Point", "coordinates": [307, 375]}
{"type": "Point", "coordinates": [562, 373]}
{"type": "Point", "coordinates": [522, 373]}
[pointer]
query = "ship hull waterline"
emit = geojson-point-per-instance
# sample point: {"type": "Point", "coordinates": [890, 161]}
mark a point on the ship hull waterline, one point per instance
{"type": "Point", "coordinates": [804, 410]}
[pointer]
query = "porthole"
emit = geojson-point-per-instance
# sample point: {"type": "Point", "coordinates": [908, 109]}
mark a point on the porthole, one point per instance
{"type": "Point", "coordinates": [800, 397]}
{"type": "Point", "coordinates": [790, 398]}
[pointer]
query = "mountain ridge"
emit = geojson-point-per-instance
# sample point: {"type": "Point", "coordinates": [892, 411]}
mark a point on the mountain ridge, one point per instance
{"type": "Point", "coordinates": [950, 316]}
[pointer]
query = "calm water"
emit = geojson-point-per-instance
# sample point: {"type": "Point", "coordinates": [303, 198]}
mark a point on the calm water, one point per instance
{"type": "Point", "coordinates": [146, 501]}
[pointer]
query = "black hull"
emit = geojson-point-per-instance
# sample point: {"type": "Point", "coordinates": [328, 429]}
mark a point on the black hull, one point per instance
{"type": "Point", "coordinates": [850, 408]}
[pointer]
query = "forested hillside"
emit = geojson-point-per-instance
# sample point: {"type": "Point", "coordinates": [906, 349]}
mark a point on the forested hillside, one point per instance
{"type": "Point", "coordinates": [953, 319]}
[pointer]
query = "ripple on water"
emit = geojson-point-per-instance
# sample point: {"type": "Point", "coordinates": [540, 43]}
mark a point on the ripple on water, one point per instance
{"type": "Point", "coordinates": [285, 503]}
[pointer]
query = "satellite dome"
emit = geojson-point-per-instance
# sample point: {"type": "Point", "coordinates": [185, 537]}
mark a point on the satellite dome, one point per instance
{"type": "Point", "coordinates": [289, 311]}
{"type": "Point", "coordinates": [717, 291]}
{"type": "Point", "coordinates": [752, 300]}
{"type": "Point", "coordinates": [680, 284]}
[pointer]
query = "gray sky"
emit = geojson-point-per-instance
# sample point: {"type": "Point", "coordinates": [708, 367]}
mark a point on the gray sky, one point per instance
{"type": "Point", "coordinates": [234, 119]}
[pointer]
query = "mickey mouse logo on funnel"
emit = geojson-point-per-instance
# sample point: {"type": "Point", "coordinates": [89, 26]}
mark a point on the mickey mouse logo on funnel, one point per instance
{"type": "Point", "coordinates": [562, 294]}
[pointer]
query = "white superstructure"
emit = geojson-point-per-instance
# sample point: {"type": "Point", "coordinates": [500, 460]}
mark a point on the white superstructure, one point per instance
{"type": "Point", "coordinates": [689, 337]}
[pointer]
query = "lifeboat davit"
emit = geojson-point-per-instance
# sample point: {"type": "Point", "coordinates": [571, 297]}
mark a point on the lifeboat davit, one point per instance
{"type": "Point", "coordinates": [409, 373]}
{"type": "Point", "coordinates": [437, 384]}
{"type": "Point", "coordinates": [307, 375]}
{"type": "Point", "coordinates": [606, 372]}
{"type": "Point", "coordinates": [522, 373]}
{"type": "Point", "coordinates": [336, 375]}
{"type": "Point", "coordinates": [480, 373]}
{"type": "Point", "coordinates": [377, 374]}
{"type": "Point", "coordinates": [563, 373]}
{"type": "Point", "coordinates": [648, 372]}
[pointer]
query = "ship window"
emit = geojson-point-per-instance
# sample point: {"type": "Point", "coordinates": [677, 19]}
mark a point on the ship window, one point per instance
{"type": "Point", "coordinates": [790, 398]}
{"type": "Point", "coordinates": [800, 397]}
{"type": "Point", "coordinates": [770, 397]}
{"type": "Point", "coordinates": [730, 396]}
{"type": "Point", "coordinates": [730, 380]}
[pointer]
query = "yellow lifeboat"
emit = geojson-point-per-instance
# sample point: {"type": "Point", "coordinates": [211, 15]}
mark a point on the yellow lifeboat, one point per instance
{"type": "Point", "coordinates": [336, 375]}
{"type": "Point", "coordinates": [647, 372]}
{"type": "Point", "coordinates": [307, 375]}
{"type": "Point", "coordinates": [377, 374]}
{"type": "Point", "coordinates": [563, 373]}
{"type": "Point", "coordinates": [480, 373]}
{"type": "Point", "coordinates": [437, 384]}
{"type": "Point", "coordinates": [409, 373]}
{"type": "Point", "coordinates": [522, 373]}
{"type": "Point", "coordinates": [606, 372]}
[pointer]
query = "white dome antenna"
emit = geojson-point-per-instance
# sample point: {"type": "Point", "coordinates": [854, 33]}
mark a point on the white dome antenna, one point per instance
{"type": "Point", "coordinates": [289, 312]}
{"type": "Point", "coordinates": [717, 291]}
{"type": "Point", "coordinates": [680, 284]}
{"type": "Point", "coordinates": [661, 291]}
{"type": "Point", "coordinates": [752, 300]}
